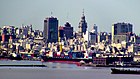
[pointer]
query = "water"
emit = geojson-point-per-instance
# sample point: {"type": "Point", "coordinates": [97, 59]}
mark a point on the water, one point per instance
{"type": "Point", "coordinates": [58, 71]}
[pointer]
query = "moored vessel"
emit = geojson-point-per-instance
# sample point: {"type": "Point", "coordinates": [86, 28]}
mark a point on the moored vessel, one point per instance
{"type": "Point", "coordinates": [66, 60]}
{"type": "Point", "coordinates": [124, 71]}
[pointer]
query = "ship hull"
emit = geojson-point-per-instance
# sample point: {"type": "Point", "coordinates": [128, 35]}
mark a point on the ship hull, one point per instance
{"type": "Point", "coordinates": [65, 60]}
{"type": "Point", "coordinates": [124, 71]}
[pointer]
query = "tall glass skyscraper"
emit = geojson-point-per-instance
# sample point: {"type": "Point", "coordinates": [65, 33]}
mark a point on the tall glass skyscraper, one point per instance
{"type": "Point", "coordinates": [50, 29]}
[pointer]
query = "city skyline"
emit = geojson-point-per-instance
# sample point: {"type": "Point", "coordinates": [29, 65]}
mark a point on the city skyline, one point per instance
{"type": "Point", "coordinates": [103, 13]}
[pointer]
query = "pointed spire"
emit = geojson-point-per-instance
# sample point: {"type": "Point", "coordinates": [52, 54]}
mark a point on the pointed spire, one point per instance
{"type": "Point", "coordinates": [82, 24]}
{"type": "Point", "coordinates": [83, 16]}
{"type": "Point", "coordinates": [83, 12]}
{"type": "Point", "coordinates": [51, 14]}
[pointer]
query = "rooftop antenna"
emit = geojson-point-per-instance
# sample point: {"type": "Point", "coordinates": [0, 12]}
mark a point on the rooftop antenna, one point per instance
{"type": "Point", "coordinates": [22, 25]}
{"type": "Point", "coordinates": [51, 14]}
{"type": "Point", "coordinates": [83, 12]}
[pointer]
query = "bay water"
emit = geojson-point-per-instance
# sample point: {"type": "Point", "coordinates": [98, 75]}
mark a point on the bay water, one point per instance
{"type": "Point", "coordinates": [58, 71]}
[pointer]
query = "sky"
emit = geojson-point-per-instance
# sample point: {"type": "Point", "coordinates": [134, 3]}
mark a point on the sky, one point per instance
{"type": "Point", "coordinates": [103, 13]}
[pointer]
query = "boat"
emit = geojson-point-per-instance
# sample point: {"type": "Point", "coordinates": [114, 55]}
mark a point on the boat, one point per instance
{"type": "Point", "coordinates": [124, 71]}
{"type": "Point", "coordinates": [73, 57]}
{"type": "Point", "coordinates": [65, 60]}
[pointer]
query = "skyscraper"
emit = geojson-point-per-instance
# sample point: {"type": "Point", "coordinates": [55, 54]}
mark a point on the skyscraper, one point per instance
{"type": "Point", "coordinates": [82, 25]}
{"type": "Point", "coordinates": [68, 30]}
{"type": "Point", "coordinates": [61, 32]}
{"type": "Point", "coordinates": [95, 29]}
{"type": "Point", "coordinates": [121, 30]}
{"type": "Point", "coordinates": [51, 29]}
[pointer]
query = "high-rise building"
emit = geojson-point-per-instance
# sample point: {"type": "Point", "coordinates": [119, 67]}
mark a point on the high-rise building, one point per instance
{"type": "Point", "coordinates": [61, 32]}
{"type": "Point", "coordinates": [121, 30]}
{"type": "Point", "coordinates": [82, 25]}
{"type": "Point", "coordinates": [102, 37]}
{"type": "Point", "coordinates": [93, 38]}
{"type": "Point", "coordinates": [95, 29]}
{"type": "Point", "coordinates": [93, 35]}
{"type": "Point", "coordinates": [68, 30]}
{"type": "Point", "coordinates": [51, 29]}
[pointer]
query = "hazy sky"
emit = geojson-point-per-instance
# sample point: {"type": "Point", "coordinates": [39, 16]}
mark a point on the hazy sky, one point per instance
{"type": "Point", "coordinates": [103, 13]}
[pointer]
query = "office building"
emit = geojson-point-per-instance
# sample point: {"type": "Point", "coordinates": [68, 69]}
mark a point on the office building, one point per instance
{"type": "Point", "coordinates": [82, 26]}
{"type": "Point", "coordinates": [95, 29]}
{"type": "Point", "coordinates": [93, 38]}
{"type": "Point", "coordinates": [51, 29]}
{"type": "Point", "coordinates": [121, 30]}
{"type": "Point", "coordinates": [68, 30]}
{"type": "Point", "coordinates": [61, 32]}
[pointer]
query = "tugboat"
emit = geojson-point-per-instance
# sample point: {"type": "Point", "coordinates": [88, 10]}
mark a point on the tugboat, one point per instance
{"type": "Point", "coordinates": [124, 71]}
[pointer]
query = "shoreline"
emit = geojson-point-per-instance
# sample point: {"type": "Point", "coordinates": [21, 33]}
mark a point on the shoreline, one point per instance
{"type": "Point", "coordinates": [82, 65]}
{"type": "Point", "coordinates": [96, 65]}
{"type": "Point", "coordinates": [18, 65]}
{"type": "Point", "coordinates": [76, 63]}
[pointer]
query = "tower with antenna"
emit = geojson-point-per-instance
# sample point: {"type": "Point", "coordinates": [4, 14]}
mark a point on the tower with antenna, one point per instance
{"type": "Point", "coordinates": [82, 24]}
{"type": "Point", "coordinates": [51, 14]}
